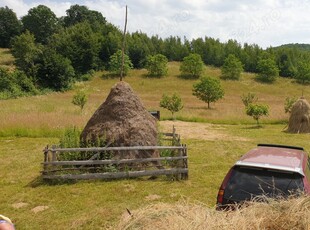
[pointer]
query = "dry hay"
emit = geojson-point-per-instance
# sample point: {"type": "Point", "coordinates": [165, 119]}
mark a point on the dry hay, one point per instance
{"type": "Point", "coordinates": [276, 215]}
{"type": "Point", "coordinates": [299, 121]}
{"type": "Point", "coordinates": [122, 120]}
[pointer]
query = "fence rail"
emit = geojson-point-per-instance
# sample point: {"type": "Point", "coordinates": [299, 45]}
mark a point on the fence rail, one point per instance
{"type": "Point", "coordinates": [175, 165]}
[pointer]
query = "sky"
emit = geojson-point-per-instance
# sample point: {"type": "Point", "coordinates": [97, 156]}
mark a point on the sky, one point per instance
{"type": "Point", "coordinates": [263, 22]}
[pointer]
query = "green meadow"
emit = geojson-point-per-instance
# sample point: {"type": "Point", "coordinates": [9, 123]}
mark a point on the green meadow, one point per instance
{"type": "Point", "coordinates": [215, 137]}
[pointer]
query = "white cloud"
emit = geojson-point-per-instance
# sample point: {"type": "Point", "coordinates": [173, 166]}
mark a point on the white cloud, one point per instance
{"type": "Point", "coordinates": [264, 22]}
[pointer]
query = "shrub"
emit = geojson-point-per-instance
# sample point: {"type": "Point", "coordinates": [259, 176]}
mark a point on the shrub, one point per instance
{"type": "Point", "coordinates": [79, 99]}
{"type": "Point", "coordinates": [250, 98]}
{"type": "Point", "coordinates": [192, 66]}
{"type": "Point", "coordinates": [257, 111]}
{"type": "Point", "coordinates": [157, 65]}
{"type": "Point", "coordinates": [172, 103]}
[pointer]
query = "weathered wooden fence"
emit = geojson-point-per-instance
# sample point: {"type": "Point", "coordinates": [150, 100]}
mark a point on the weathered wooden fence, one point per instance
{"type": "Point", "coordinates": [175, 165]}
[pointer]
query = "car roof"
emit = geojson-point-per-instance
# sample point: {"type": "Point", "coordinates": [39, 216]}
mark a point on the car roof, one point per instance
{"type": "Point", "coordinates": [277, 157]}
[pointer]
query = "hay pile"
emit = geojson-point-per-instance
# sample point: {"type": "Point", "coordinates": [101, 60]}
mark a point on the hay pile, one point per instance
{"type": "Point", "coordinates": [299, 121]}
{"type": "Point", "coordinates": [275, 215]}
{"type": "Point", "coordinates": [122, 120]}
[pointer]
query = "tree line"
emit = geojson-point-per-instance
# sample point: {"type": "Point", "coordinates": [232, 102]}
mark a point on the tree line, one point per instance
{"type": "Point", "coordinates": [52, 53]}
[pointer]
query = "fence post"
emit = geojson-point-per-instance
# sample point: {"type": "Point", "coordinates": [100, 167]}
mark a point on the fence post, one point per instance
{"type": "Point", "coordinates": [54, 157]}
{"type": "Point", "coordinates": [185, 163]}
{"type": "Point", "coordinates": [45, 151]}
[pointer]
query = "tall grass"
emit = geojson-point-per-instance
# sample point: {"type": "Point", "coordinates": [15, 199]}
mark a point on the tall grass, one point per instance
{"type": "Point", "coordinates": [288, 214]}
{"type": "Point", "coordinates": [55, 110]}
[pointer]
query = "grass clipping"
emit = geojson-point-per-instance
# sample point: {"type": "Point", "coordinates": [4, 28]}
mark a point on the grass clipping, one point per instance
{"type": "Point", "coordinates": [288, 214]}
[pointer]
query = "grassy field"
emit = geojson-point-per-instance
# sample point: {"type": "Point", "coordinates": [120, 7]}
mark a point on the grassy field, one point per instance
{"type": "Point", "coordinates": [29, 124]}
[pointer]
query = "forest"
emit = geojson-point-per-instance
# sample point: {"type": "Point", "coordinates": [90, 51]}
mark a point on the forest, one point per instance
{"type": "Point", "coordinates": [52, 53]}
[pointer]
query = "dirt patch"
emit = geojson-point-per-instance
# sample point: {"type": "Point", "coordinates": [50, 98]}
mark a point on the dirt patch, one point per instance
{"type": "Point", "coordinates": [20, 205]}
{"type": "Point", "coordinates": [202, 131]}
{"type": "Point", "coordinates": [39, 209]}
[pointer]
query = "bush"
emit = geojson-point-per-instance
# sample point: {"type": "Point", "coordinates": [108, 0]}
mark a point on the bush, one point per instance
{"type": "Point", "coordinates": [192, 66]}
{"type": "Point", "coordinates": [248, 99]}
{"type": "Point", "coordinates": [232, 68]}
{"type": "Point", "coordinates": [257, 111]}
{"type": "Point", "coordinates": [172, 103]}
{"type": "Point", "coordinates": [157, 65]}
{"type": "Point", "coordinates": [16, 84]}
{"type": "Point", "coordinates": [79, 99]}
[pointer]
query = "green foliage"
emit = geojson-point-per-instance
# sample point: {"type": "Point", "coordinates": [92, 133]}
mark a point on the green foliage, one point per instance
{"type": "Point", "coordinates": [15, 84]}
{"type": "Point", "coordinates": [81, 45]}
{"type": "Point", "coordinates": [288, 104]}
{"type": "Point", "coordinates": [208, 90]}
{"type": "Point", "coordinates": [9, 26]}
{"type": "Point", "coordinates": [303, 72]}
{"type": "Point", "coordinates": [77, 14]}
{"type": "Point", "coordinates": [70, 138]}
{"type": "Point", "coordinates": [157, 65]}
{"type": "Point", "coordinates": [55, 71]}
{"type": "Point", "coordinates": [115, 63]}
{"type": "Point", "coordinates": [257, 111]}
{"type": "Point", "coordinates": [232, 68]}
{"type": "Point", "coordinates": [268, 70]}
{"type": "Point", "coordinates": [42, 22]}
{"type": "Point", "coordinates": [173, 103]}
{"type": "Point", "coordinates": [192, 66]}
{"type": "Point", "coordinates": [248, 99]}
{"type": "Point", "coordinates": [79, 99]}
{"type": "Point", "coordinates": [139, 46]}
{"type": "Point", "coordinates": [26, 53]}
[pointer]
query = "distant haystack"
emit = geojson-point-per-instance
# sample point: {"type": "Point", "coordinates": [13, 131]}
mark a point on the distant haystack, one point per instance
{"type": "Point", "coordinates": [122, 120]}
{"type": "Point", "coordinates": [299, 121]}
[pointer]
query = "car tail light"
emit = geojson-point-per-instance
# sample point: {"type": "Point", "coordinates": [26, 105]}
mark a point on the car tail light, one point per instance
{"type": "Point", "coordinates": [220, 196]}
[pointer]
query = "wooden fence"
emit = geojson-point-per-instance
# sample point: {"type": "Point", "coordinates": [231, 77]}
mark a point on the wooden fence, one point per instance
{"type": "Point", "coordinates": [175, 166]}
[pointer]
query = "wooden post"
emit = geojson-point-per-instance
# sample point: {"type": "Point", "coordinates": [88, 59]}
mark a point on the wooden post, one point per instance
{"type": "Point", "coordinates": [45, 152]}
{"type": "Point", "coordinates": [185, 164]}
{"type": "Point", "coordinates": [54, 157]}
{"type": "Point", "coordinates": [123, 47]}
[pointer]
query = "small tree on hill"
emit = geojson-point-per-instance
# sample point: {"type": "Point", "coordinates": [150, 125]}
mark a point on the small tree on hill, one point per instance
{"type": "Point", "coordinates": [248, 99]}
{"type": "Point", "coordinates": [115, 63]}
{"type": "Point", "coordinates": [257, 111]}
{"type": "Point", "coordinates": [157, 65]}
{"type": "Point", "coordinates": [268, 70]}
{"type": "Point", "coordinates": [192, 66]}
{"type": "Point", "coordinates": [303, 73]}
{"type": "Point", "coordinates": [172, 103]}
{"type": "Point", "coordinates": [232, 68]}
{"type": "Point", "coordinates": [208, 90]}
{"type": "Point", "coordinates": [79, 99]}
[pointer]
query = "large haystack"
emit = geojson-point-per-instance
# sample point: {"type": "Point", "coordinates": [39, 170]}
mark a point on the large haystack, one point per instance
{"type": "Point", "coordinates": [299, 121]}
{"type": "Point", "coordinates": [122, 120]}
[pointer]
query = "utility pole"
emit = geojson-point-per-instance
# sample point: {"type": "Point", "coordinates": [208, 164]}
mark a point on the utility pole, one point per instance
{"type": "Point", "coordinates": [123, 47]}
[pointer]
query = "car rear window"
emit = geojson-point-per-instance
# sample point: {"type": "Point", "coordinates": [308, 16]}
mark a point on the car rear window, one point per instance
{"type": "Point", "coordinates": [247, 183]}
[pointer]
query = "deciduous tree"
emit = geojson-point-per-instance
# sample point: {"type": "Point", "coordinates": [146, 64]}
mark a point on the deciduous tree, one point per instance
{"type": "Point", "coordinates": [232, 68]}
{"type": "Point", "coordinates": [192, 66]}
{"type": "Point", "coordinates": [42, 22]}
{"type": "Point", "coordinates": [157, 65]}
{"type": "Point", "coordinates": [173, 103]}
{"type": "Point", "coordinates": [257, 111]}
{"type": "Point", "coordinates": [268, 70]}
{"type": "Point", "coordinates": [303, 72]}
{"type": "Point", "coordinates": [115, 63]}
{"type": "Point", "coordinates": [208, 90]}
{"type": "Point", "coordinates": [9, 26]}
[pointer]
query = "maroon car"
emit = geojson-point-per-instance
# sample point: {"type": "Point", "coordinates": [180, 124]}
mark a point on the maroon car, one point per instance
{"type": "Point", "coordinates": [266, 171]}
